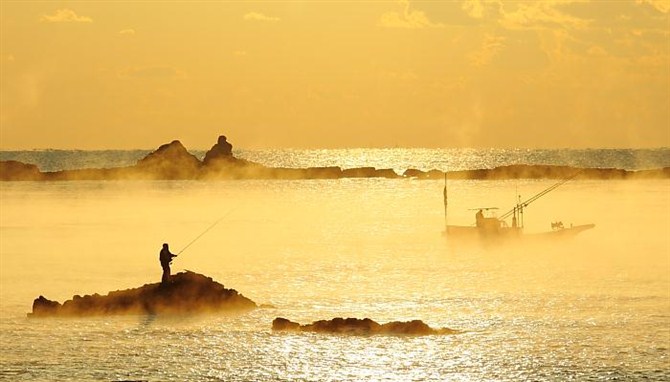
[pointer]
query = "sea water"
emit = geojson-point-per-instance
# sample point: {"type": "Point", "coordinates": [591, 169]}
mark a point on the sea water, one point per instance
{"type": "Point", "coordinates": [596, 307]}
{"type": "Point", "coordinates": [397, 159]}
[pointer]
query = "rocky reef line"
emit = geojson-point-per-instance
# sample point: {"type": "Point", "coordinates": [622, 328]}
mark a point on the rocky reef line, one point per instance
{"type": "Point", "coordinates": [172, 161]}
{"type": "Point", "coordinates": [187, 293]}
{"type": "Point", "coordinates": [356, 326]}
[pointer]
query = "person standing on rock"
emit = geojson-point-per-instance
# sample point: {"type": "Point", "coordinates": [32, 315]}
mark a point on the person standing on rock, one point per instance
{"type": "Point", "coordinates": [166, 258]}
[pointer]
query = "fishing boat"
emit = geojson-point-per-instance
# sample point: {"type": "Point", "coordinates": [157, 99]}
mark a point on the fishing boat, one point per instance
{"type": "Point", "coordinates": [510, 225]}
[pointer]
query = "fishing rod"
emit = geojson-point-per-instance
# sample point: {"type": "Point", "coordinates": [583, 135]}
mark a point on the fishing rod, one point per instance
{"type": "Point", "coordinates": [207, 230]}
{"type": "Point", "coordinates": [520, 206]}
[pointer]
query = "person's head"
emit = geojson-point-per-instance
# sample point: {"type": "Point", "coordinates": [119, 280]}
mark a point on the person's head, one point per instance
{"type": "Point", "coordinates": [165, 246]}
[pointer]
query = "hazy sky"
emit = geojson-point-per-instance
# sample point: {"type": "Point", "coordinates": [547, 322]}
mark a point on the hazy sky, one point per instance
{"type": "Point", "coordinates": [136, 74]}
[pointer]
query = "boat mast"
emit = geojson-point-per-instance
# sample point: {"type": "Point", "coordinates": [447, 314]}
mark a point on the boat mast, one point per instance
{"type": "Point", "coordinates": [517, 217]}
{"type": "Point", "coordinates": [519, 211]}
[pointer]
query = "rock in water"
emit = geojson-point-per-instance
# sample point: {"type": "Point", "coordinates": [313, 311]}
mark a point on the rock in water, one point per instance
{"type": "Point", "coordinates": [282, 324]}
{"type": "Point", "coordinates": [221, 150]}
{"type": "Point", "coordinates": [13, 170]}
{"type": "Point", "coordinates": [170, 161]}
{"type": "Point", "coordinates": [188, 292]}
{"type": "Point", "coordinates": [358, 326]}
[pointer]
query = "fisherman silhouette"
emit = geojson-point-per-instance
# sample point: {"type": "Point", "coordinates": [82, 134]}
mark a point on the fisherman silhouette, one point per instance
{"type": "Point", "coordinates": [166, 258]}
{"type": "Point", "coordinates": [479, 218]}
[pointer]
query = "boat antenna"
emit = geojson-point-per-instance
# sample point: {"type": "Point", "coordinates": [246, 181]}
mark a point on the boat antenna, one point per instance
{"type": "Point", "coordinates": [205, 231]}
{"type": "Point", "coordinates": [445, 200]}
{"type": "Point", "coordinates": [539, 195]}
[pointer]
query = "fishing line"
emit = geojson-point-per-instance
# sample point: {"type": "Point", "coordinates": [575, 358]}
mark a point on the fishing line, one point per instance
{"type": "Point", "coordinates": [207, 230]}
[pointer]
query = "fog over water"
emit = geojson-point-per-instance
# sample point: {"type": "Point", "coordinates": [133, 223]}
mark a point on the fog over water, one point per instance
{"type": "Point", "coordinates": [596, 306]}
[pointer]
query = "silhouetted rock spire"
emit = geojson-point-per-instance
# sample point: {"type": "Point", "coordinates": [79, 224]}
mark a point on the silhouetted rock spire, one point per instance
{"type": "Point", "coordinates": [173, 161]}
{"type": "Point", "coordinates": [221, 150]}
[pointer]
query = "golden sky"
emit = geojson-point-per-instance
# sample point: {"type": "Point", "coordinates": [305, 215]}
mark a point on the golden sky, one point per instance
{"type": "Point", "coordinates": [136, 74]}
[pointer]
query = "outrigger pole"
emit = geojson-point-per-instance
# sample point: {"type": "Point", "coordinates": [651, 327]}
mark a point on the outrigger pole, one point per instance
{"type": "Point", "coordinates": [520, 206]}
{"type": "Point", "coordinates": [205, 231]}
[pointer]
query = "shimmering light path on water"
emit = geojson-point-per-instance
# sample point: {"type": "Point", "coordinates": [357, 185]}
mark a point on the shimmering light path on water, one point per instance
{"type": "Point", "coordinates": [593, 308]}
{"type": "Point", "coordinates": [398, 159]}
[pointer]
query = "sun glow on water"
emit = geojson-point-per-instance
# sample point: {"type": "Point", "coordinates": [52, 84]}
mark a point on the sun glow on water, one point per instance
{"type": "Point", "coordinates": [338, 248]}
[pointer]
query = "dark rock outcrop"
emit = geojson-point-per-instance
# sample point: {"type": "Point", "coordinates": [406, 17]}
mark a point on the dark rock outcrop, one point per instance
{"type": "Point", "coordinates": [170, 161]}
{"type": "Point", "coordinates": [173, 161]}
{"type": "Point", "coordinates": [221, 150]}
{"type": "Point", "coordinates": [357, 326]}
{"type": "Point", "coordinates": [188, 292]}
{"type": "Point", "coordinates": [368, 172]}
{"type": "Point", "coordinates": [231, 168]}
{"type": "Point", "coordinates": [332, 172]}
{"type": "Point", "coordinates": [45, 307]}
{"type": "Point", "coordinates": [14, 170]}
{"type": "Point", "coordinates": [524, 171]}
{"type": "Point", "coordinates": [220, 163]}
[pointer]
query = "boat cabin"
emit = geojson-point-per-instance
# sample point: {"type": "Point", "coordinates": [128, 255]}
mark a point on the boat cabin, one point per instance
{"type": "Point", "coordinates": [488, 224]}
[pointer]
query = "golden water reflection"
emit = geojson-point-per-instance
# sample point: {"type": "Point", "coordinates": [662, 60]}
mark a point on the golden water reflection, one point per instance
{"type": "Point", "coordinates": [323, 249]}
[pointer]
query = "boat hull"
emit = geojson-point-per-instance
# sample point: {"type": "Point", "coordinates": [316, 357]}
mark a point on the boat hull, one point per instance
{"type": "Point", "coordinates": [510, 233]}
{"type": "Point", "coordinates": [562, 232]}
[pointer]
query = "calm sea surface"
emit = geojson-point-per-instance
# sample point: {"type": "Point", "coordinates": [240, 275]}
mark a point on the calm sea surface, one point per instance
{"type": "Point", "coordinates": [596, 307]}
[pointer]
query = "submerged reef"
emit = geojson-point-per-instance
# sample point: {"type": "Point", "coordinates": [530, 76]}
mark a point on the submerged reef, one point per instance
{"type": "Point", "coordinates": [187, 292]}
{"type": "Point", "coordinates": [358, 326]}
{"type": "Point", "coordinates": [172, 161]}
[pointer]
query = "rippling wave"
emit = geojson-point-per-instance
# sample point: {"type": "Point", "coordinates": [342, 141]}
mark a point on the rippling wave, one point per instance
{"type": "Point", "coordinates": [594, 308]}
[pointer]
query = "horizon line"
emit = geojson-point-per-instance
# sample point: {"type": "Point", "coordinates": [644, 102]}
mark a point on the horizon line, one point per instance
{"type": "Point", "coordinates": [353, 148]}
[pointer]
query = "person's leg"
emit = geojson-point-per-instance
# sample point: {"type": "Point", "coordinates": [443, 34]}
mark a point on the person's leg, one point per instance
{"type": "Point", "coordinates": [166, 274]}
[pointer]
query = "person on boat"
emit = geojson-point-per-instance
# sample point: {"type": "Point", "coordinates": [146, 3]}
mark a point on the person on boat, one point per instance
{"type": "Point", "coordinates": [479, 218]}
{"type": "Point", "coordinates": [165, 258]}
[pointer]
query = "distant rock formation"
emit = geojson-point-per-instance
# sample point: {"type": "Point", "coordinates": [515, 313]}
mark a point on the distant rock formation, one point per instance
{"type": "Point", "coordinates": [357, 326]}
{"type": "Point", "coordinates": [220, 163]}
{"type": "Point", "coordinates": [221, 150]}
{"type": "Point", "coordinates": [368, 172]}
{"type": "Point", "coordinates": [173, 161]}
{"type": "Point", "coordinates": [14, 170]}
{"type": "Point", "coordinates": [524, 171]}
{"type": "Point", "coordinates": [188, 292]}
{"type": "Point", "coordinates": [170, 161]}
